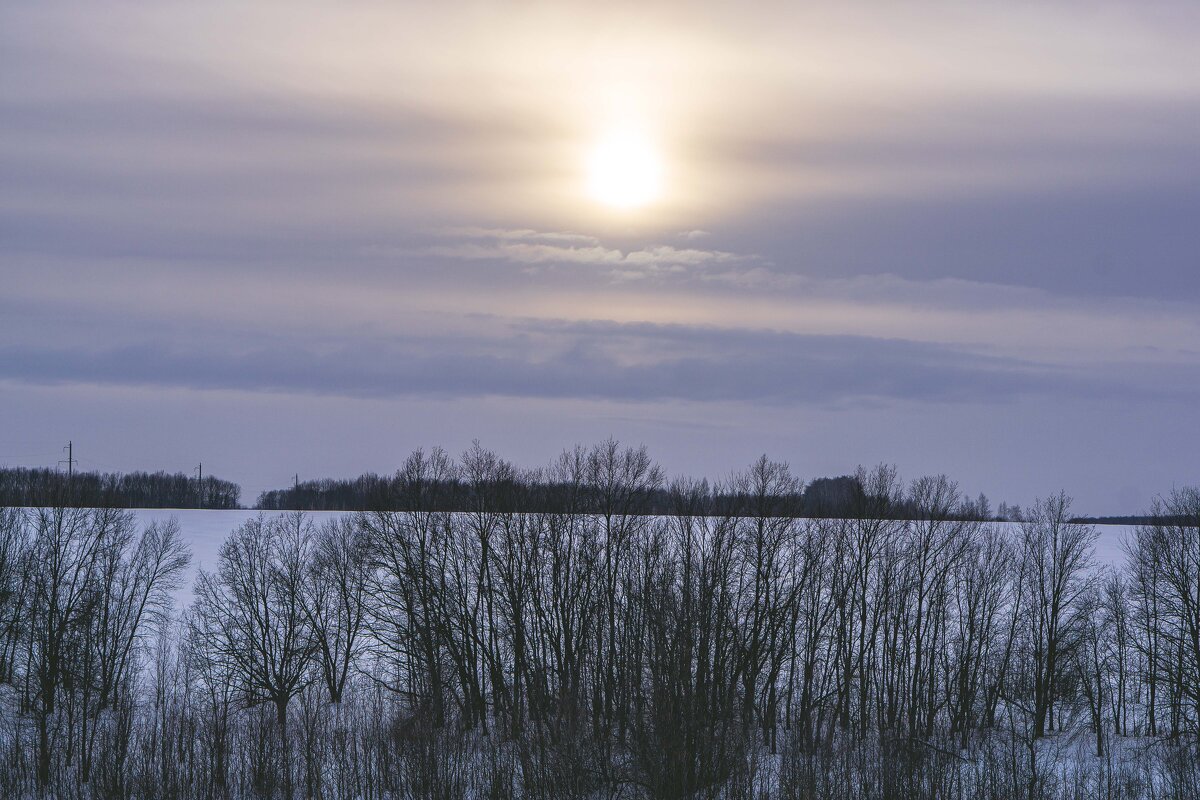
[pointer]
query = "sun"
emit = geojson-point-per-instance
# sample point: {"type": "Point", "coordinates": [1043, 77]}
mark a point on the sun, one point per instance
{"type": "Point", "coordinates": [624, 171]}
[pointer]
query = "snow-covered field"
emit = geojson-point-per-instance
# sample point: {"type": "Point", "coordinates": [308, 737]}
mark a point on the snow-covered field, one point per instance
{"type": "Point", "coordinates": [206, 530]}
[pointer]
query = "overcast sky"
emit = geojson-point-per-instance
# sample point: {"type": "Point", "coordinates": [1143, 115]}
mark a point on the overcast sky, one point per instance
{"type": "Point", "coordinates": [303, 239]}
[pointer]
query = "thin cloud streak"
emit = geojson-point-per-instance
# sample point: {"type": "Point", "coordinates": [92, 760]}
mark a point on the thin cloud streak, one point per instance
{"type": "Point", "coordinates": [528, 247]}
{"type": "Point", "coordinates": [639, 363]}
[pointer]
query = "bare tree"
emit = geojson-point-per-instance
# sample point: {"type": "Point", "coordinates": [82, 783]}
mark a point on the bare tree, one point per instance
{"type": "Point", "coordinates": [981, 586]}
{"type": "Point", "coordinates": [68, 546]}
{"type": "Point", "coordinates": [15, 579]}
{"type": "Point", "coordinates": [689, 732]}
{"type": "Point", "coordinates": [136, 579]}
{"type": "Point", "coordinates": [617, 481]}
{"type": "Point", "coordinates": [937, 543]}
{"type": "Point", "coordinates": [407, 612]}
{"type": "Point", "coordinates": [1167, 558]}
{"type": "Point", "coordinates": [767, 534]}
{"type": "Point", "coordinates": [870, 533]}
{"type": "Point", "coordinates": [249, 614]}
{"type": "Point", "coordinates": [1055, 558]}
{"type": "Point", "coordinates": [1117, 624]}
{"type": "Point", "coordinates": [334, 598]}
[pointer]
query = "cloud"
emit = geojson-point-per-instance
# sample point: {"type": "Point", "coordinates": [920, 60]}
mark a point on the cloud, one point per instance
{"type": "Point", "coordinates": [573, 360]}
{"type": "Point", "coordinates": [520, 235]}
{"type": "Point", "coordinates": [1021, 153]}
{"type": "Point", "coordinates": [551, 248]}
{"type": "Point", "coordinates": [526, 253]}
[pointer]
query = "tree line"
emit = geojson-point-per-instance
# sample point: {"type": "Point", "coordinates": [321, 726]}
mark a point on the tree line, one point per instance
{"type": "Point", "coordinates": [840, 496]}
{"type": "Point", "coordinates": [41, 487]}
{"type": "Point", "coordinates": [722, 648]}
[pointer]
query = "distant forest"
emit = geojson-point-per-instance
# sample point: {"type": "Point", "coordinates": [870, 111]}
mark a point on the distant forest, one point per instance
{"type": "Point", "coordinates": [527, 491]}
{"type": "Point", "coordinates": [533, 491]}
{"type": "Point", "coordinates": [33, 488]}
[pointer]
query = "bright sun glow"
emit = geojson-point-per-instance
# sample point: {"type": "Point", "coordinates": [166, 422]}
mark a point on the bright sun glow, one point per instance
{"type": "Point", "coordinates": [624, 171]}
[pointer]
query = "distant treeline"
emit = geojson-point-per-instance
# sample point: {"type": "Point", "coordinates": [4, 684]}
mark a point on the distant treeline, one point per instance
{"type": "Point", "coordinates": [822, 497]}
{"type": "Point", "coordinates": [21, 486]}
{"type": "Point", "coordinates": [532, 492]}
{"type": "Point", "coordinates": [1141, 519]}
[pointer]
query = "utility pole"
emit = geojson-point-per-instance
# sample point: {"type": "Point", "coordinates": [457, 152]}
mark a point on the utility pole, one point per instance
{"type": "Point", "coordinates": [200, 484]}
{"type": "Point", "coordinates": [70, 459]}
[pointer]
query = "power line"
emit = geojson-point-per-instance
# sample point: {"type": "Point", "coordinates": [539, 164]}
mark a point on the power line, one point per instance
{"type": "Point", "coordinates": [70, 460]}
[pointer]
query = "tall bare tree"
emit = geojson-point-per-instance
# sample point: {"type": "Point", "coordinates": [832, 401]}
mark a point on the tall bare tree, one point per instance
{"type": "Point", "coordinates": [336, 575]}
{"type": "Point", "coordinates": [249, 615]}
{"type": "Point", "coordinates": [1055, 558]}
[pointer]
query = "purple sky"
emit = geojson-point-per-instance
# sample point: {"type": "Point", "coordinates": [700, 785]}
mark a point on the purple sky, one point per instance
{"type": "Point", "coordinates": [294, 239]}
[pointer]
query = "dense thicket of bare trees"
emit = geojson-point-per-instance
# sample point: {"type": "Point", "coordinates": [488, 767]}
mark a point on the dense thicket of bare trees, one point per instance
{"type": "Point", "coordinates": [587, 649]}
{"type": "Point", "coordinates": [80, 591]}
